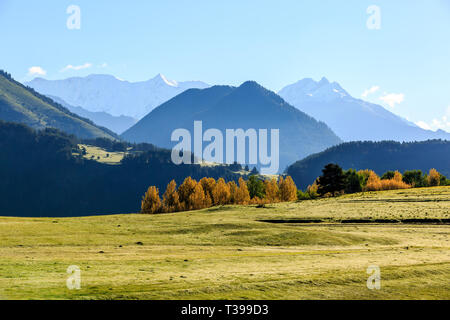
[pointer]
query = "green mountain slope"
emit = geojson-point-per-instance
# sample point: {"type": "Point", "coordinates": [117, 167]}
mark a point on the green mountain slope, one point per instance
{"type": "Point", "coordinates": [23, 105]}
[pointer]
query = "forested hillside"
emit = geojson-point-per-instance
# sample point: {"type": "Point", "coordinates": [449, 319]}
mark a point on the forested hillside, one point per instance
{"type": "Point", "coordinates": [40, 176]}
{"type": "Point", "coordinates": [21, 104]}
{"type": "Point", "coordinates": [378, 156]}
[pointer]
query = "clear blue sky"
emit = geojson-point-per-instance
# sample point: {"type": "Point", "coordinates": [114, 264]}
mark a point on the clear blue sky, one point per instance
{"type": "Point", "coordinates": [227, 42]}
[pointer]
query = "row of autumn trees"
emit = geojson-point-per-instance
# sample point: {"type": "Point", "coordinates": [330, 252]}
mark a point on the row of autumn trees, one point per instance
{"type": "Point", "coordinates": [335, 181]}
{"type": "Point", "coordinates": [193, 195]}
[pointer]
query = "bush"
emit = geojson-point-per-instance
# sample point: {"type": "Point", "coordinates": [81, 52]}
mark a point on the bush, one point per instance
{"type": "Point", "coordinates": [414, 178]}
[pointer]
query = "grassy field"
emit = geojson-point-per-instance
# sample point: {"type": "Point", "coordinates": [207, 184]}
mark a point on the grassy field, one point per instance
{"type": "Point", "coordinates": [101, 155]}
{"type": "Point", "coordinates": [238, 252]}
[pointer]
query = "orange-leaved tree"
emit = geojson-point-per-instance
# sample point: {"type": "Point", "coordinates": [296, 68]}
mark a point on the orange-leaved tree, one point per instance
{"type": "Point", "coordinates": [151, 203]}
{"type": "Point", "coordinates": [272, 191]}
{"type": "Point", "coordinates": [197, 199]}
{"type": "Point", "coordinates": [233, 191]}
{"type": "Point", "coordinates": [242, 195]}
{"type": "Point", "coordinates": [288, 189]}
{"type": "Point", "coordinates": [221, 193]}
{"type": "Point", "coordinates": [208, 185]}
{"type": "Point", "coordinates": [171, 199]}
{"type": "Point", "coordinates": [434, 178]}
{"type": "Point", "coordinates": [184, 191]}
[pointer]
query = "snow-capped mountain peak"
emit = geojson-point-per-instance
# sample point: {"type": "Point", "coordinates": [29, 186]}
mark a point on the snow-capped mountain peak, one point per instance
{"type": "Point", "coordinates": [351, 118]}
{"type": "Point", "coordinates": [106, 93]}
{"type": "Point", "coordinates": [307, 89]}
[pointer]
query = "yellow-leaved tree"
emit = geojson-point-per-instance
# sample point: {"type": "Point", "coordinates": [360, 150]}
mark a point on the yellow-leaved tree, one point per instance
{"type": "Point", "coordinates": [233, 191]}
{"type": "Point", "coordinates": [185, 191]}
{"type": "Point", "coordinates": [151, 203]}
{"type": "Point", "coordinates": [171, 199]}
{"type": "Point", "coordinates": [288, 189]}
{"type": "Point", "coordinates": [208, 185]}
{"type": "Point", "coordinates": [272, 191]}
{"type": "Point", "coordinates": [221, 193]}
{"type": "Point", "coordinates": [197, 199]}
{"type": "Point", "coordinates": [373, 182]}
{"type": "Point", "coordinates": [242, 194]}
{"type": "Point", "coordinates": [434, 178]}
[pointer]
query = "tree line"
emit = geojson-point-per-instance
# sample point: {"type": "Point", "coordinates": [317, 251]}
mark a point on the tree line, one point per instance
{"type": "Point", "coordinates": [335, 181]}
{"type": "Point", "coordinates": [206, 193]}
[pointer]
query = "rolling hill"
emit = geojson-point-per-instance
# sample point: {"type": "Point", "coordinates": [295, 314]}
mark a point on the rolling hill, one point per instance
{"type": "Point", "coordinates": [353, 119]}
{"type": "Point", "coordinates": [249, 106]}
{"type": "Point", "coordinates": [377, 156]}
{"type": "Point", "coordinates": [23, 105]}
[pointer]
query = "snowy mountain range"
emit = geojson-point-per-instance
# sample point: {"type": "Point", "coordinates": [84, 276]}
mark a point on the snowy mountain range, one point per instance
{"type": "Point", "coordinates": [106, 93]}
{"type": "Point", "coordinates": [350, 118]}
{"type": "Point", "coordinates": [117, 124]}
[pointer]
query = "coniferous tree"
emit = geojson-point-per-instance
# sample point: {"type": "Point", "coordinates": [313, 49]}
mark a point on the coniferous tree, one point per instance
{"type": "Point", "coordinates": [353, 182]}
{"type": "Point", "coordinates": [255, 187]}
{"type": "Point", "coordinates": [332, 180]}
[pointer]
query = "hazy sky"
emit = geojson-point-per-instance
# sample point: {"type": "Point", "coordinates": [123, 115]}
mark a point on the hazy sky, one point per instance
{"type": "Point", "coordinates": [404, 65]}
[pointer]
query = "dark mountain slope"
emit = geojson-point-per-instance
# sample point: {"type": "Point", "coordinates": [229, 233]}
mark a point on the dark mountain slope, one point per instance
{"type": "Point", "coordinates": [40, 176]}
{"type": "Point", "coordinates": [249, 106]}
{"type": "Point", "coordinates": [377, 156]}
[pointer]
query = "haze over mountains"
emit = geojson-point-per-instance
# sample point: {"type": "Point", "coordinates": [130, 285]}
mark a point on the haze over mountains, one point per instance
{"type": "Point", "coordinates": [352, 119]}
{"type": "Point", "coordinates": [20, 104]}
{"type": "Point", "coordinates": [106, 93]}
{"type": "Point", "coordinates": [249, 106]}
{"type": "Point", "coordinates": [118, 124]}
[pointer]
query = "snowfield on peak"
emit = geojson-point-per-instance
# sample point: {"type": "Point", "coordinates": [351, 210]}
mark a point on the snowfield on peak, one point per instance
{"type": "Point", "coordinates": [106, 93]}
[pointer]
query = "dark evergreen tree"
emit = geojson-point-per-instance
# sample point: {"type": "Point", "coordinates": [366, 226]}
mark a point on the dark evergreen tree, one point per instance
{"type": "Point", "coordinates": [414, 178]}
{"type": "Point", "coordinates": [255, 187]}
{"type": "Point", "coordinates": [388, 175]}
{"type": "Point", "coordinates": [332, 180]}
{"type": "Point", "coordinates": [353, 181]}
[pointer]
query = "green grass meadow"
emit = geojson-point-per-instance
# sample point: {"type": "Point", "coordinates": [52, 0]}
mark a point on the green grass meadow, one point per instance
{"type": "Point", "coordinates": [317, 250]}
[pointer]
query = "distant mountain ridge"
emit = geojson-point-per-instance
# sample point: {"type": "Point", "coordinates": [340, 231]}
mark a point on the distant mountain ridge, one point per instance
{"type": "Point", "coordinates": [378, 156]}
{"type": "Point", "coordinates": [352, 119]}
{"type": "Point", "coordinates": [106, 93]}
{"type": "Point", "coordinates": [23, 105]}
{"type": "Point", "coordinates": [249, 106]}
{"type": "Point", "coordinates": [117, 124]}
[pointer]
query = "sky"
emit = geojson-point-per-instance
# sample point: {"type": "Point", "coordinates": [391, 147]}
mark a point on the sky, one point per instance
{"type": "Point", "coordinates": [396, 55]}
